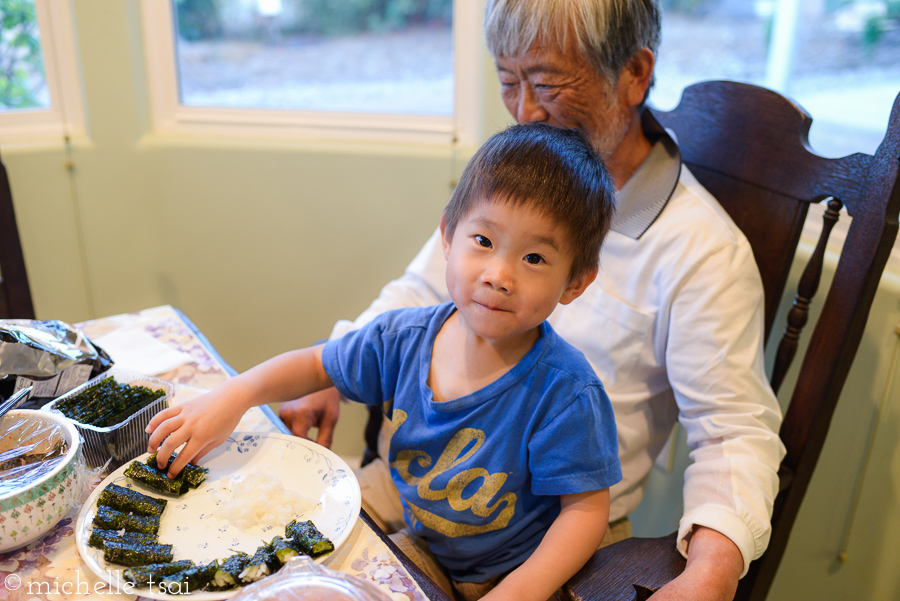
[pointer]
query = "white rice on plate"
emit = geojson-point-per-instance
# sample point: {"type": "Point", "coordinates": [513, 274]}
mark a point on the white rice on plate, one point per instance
{"type": "Point", "coordinates": [259, 499]}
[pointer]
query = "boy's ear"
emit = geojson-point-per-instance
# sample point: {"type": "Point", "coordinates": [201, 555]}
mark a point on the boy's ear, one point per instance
{"type": "Point", "coordinates": [577, 286]}
{"type": "Point", "coordinates": [445, 241]}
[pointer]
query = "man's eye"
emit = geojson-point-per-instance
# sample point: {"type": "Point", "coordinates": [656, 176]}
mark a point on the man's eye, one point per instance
{"type": "Point", "coordinates": [546, 91]}
{"type": "Point", "coordinates": [534, 259]}
{"type": "Point", "coordinates": [483, 241]}
{"type": "Point", "coordinates": [552, 86]}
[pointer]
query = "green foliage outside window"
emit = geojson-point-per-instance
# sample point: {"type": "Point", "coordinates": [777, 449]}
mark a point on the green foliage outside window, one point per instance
{"type": "Point", "coordinates": [328, 17]}
{"type": "Point", "coordinates": [202, 19]}
{"type": "Point", "coordinates": [686, 6]}
{"type": "Point", "coordinates": [198, 19]}
{"type": "Point", "coordinates": [21, 62]}
{"type": "Point", "coordinates": [878, 25]}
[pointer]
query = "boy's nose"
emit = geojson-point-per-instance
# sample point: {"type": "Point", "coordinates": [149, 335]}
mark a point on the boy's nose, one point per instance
{"type": "Point", "coordinates": [498, 276]}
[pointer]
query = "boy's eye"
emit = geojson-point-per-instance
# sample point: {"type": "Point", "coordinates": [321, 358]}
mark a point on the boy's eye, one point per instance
{"type": "Point", "coordinates": [534, 259]}
{"type": "Point", "coordinates": [483, 241]}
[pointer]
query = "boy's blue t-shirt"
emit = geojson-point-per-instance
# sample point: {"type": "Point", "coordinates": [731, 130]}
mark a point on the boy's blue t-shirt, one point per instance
{"type": "Point", "coordinates": [480, 476]}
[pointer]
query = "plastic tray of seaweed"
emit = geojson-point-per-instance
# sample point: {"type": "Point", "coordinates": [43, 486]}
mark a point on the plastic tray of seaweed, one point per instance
{"type": "Point", "coordinates": [111, 412]}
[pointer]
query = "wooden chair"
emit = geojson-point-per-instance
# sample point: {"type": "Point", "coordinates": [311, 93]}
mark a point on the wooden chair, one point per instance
{"type": "Point", "coordinates": [748, 146]}
{"type": "Point", "coordinates": [15, 294]}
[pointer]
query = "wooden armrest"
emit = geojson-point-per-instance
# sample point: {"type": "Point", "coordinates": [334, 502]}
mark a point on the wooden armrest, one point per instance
{"type": "Point", "coordinates": [630, 570]}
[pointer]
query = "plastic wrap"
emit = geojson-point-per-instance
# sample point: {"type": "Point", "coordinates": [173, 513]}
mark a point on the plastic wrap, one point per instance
{"type": "Point", "coordinates": [52, 356]}
{"type": "Point", "coordinates": [29, 450]}
{"type": "Point", "coordinates": [302, 579]}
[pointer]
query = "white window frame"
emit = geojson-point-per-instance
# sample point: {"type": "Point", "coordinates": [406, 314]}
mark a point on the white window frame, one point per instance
{"type": "Point", "coordinates": [169, 116]}
{"type": "Point", "coordinates": [65, 117]}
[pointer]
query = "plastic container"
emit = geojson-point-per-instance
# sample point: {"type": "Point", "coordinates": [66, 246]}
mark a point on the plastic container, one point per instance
{"type": "Point", "coordinates": [126, 440]}
{"type": "Point", "coordinates": [302, 579]}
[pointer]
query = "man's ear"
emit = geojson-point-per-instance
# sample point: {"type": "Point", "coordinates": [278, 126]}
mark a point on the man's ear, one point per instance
{"type": "Point", "coordinates": [635, 77]}
{"type": "Point", "coordinates": [445, 240]}
{"type": "Point", "coordinates": [577, 286]}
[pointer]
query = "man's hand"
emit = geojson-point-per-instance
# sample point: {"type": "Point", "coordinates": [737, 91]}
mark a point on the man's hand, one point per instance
{"type": "Point", "coordinates": [714, 566]}
{"type": "Point", "coordinates": [317, 410]}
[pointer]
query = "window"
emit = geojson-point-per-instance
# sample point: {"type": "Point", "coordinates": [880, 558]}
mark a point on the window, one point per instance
{"type": "Point", "coordinates": [39, 93]}
{"type": "Point", "coordinates": [836, 58]}
{"type": "Point", "coordinates": [314, 67]}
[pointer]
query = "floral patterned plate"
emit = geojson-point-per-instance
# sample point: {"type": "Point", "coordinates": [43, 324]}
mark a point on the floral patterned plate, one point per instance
{"type": "Point", "coordinates": [196, 525]}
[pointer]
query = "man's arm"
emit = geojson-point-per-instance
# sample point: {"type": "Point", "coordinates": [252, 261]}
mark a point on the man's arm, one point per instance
{"type": "Point", "coordinates": [714, 566]}
{"type": "Point", "coordinates": [715, 365]}
{"type": "Point", "coordinates": [731, 417]}
{"type": "Point", "coordinates": [421, 285]}
{"type": "Point", "coordinates": [569, 543]}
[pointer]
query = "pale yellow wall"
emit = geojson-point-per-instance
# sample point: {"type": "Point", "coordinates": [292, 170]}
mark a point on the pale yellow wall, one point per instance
{"type": "Point", "coordinates": [851, 503]}
{"type": "Point", "coordinates": [264, 247]}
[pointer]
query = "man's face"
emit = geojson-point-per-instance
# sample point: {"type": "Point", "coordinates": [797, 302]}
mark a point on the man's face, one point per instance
{"type": "Point", "coordinates": [563, 89]}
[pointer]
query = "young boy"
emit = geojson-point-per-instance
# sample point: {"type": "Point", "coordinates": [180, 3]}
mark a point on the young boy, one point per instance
{"type": "Point", "coordinates": [504, 444]}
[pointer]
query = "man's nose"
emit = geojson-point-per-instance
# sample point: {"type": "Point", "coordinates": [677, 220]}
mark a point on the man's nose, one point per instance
{"type": "Point", "coordinates": [529, 108]}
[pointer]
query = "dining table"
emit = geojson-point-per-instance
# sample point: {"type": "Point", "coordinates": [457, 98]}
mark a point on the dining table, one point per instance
{"type": "Point", "coordinates": [164, 338]}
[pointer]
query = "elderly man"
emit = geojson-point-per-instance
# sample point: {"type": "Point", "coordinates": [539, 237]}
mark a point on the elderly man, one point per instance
{"type": "Point", "coordinates": [673, 324]}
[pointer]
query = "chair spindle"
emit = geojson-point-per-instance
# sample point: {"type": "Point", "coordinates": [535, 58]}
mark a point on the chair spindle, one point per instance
{"type": "Point", "coordinates": [806, 290]}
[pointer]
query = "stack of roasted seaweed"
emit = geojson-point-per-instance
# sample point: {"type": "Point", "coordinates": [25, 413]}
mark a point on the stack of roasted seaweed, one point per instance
{"type": "Point", "coordinates": [235, 570]}
{"type": "Point", "coordinates": [107, 402]}
{"type": "Point", "coordinates": [126, 527]}
{"type": "Point", "coordinates": [300, 538]}
{"type": "Point", "coordinates": [192, 476]}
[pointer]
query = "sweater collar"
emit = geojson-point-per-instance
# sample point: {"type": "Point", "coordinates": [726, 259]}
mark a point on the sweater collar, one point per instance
{"type": "Point", "coordinates": [646, 193]}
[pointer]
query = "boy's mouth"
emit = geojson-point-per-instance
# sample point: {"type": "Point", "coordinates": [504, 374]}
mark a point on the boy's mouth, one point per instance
{"type": "Point", "coordinates": [491, 307]}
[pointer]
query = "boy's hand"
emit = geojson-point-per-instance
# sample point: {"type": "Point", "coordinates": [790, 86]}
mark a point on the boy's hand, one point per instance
{"type": "Point", "coordinates": [200, 424]}
{"type": "Point", "coordinates": [204, 423]}
{"type": "Point", "coordinates": [571, 540]}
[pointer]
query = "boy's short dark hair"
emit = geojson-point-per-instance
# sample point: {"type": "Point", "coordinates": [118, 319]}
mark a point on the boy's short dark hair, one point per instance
{"type": "Point", "coordinates": [552, 170]}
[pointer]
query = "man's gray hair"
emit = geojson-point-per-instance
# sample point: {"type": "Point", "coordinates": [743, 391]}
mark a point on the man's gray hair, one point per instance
{"type": "Point", "coordinates": [607, 32]}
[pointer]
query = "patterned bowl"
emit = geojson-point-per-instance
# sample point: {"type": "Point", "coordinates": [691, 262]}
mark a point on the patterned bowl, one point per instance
{"type": "Point", "coordinates": [34, 501]}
